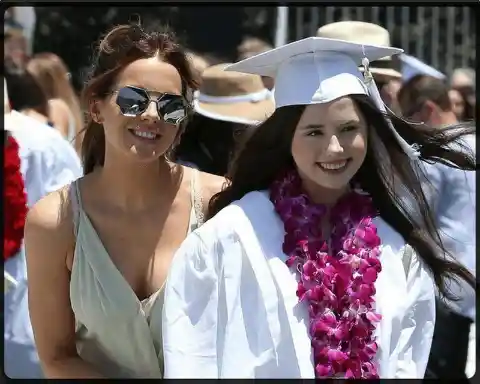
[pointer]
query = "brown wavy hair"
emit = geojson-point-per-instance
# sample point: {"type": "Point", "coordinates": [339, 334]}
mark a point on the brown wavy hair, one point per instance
{"type": "Point", "coordinates": [121, 46]}
{"type": "Point", "coordinates": [52, 74]}
{"type": "Point", "coordinates": [386, 173]}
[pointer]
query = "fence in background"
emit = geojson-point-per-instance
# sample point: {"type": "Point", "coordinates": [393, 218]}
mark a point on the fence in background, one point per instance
{"type": "Point", "coordinates": [443, 37]}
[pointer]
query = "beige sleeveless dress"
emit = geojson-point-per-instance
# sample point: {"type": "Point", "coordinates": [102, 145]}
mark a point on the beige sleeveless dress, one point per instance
{"type": "Point", "coordinates": [115, 332]}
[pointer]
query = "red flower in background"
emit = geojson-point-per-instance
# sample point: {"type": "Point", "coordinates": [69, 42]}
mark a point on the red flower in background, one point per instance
{"type": "Point", "coordinates": [14, 200]}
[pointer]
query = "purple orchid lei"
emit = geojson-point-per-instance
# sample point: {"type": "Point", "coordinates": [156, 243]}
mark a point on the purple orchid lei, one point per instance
{"type": "Point", "coordinates": [337, 287]}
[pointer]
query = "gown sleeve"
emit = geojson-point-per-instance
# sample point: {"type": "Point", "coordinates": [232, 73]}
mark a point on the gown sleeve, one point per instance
{"type": "Point", "coordinates": [417, 324]}
{"type": "Point", "coordinates": [190, 314]}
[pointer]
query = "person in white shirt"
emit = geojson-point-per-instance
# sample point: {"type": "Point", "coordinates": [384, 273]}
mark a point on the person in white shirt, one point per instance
{"type": "Point", "coordinates": [451, 195]}
{"type": "Point", "coordinates": [308, 265]}
{"type": "Point", "coordinates": [48, 162]}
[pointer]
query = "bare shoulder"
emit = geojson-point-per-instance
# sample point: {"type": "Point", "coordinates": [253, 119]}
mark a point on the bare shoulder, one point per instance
{"type": "Point", "coordinates": [49, 241]}
{"type": "Point", "coordinates": [59, 104]}
{"type": "Point", "coordinates": [211, 184]}
{"type": "Point", "coordinates": [51, 216]}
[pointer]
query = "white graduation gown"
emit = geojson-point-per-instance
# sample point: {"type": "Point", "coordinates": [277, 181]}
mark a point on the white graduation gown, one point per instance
{"type": "Point", "coordinates": [231, 310]}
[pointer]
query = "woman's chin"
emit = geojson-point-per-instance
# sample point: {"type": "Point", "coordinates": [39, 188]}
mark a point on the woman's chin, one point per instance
{"type": "Point", "coordinates": [146, 154]}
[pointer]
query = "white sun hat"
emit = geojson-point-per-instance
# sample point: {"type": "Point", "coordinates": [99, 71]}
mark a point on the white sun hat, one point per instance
{"type": "Point", "coordinates": [233, 97]}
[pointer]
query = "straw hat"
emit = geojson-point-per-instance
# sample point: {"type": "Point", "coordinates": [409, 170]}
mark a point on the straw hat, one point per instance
{"type": "Point", "coordinates": [232, 96]}
{"type": "Point", "coordinates": [364, 33]}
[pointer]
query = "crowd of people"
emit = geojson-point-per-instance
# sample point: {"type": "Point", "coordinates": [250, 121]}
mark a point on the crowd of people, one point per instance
{"type": "Point", "coordinates": [307, 211]}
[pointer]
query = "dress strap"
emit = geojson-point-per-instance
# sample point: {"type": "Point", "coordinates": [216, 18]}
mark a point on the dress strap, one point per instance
{"type": "Point", "coordinates": [76, 202]}
{"type": "Point", "coordinates": [196, 197]}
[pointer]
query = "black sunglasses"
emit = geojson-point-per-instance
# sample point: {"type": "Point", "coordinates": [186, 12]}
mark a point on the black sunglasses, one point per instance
{"type": "Point", "coordinates": [134, 101]}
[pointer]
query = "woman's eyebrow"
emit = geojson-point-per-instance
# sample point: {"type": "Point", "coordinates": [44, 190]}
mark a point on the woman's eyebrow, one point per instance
{"type": "Point", "coordinates": [319, 126]}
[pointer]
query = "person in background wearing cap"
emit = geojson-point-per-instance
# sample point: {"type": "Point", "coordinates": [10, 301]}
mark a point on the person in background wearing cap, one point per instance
{"type": "Point", "coordinates": [309, 264]}
{"type": "Point", "coordinates": [47, 162]}
{"type": "Point", "coordinates": [386, 70]}
{"type": "Point", "coordinates": [425, 99]}
{"type": "Point", "coordinates": [451, 195]}
{"type": "Point", "coordinates": [412, 66]}
{"type": "Point", "coordinates": [461, 93]}
{"type": "Point", "coordinates": [227, 108]}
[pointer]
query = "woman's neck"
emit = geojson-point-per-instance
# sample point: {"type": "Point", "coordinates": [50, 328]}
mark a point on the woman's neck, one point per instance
{"type": "Point", "coordinates": [134, 187]}
{"type": "Point", "coordinates": [322, 195]}
{"type": "Point", "coordinates": [35, 115]}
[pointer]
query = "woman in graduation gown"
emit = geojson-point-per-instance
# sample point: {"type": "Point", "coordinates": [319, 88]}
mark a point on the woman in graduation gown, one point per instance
{"type": "Point", "coordinates": [310, 265]}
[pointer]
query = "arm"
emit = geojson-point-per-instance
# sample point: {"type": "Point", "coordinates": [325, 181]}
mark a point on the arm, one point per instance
{"type": "Point", "coordinates": [48, 239]}
{"type": "Point", "coordinates": [418, 323]}
{"type": "Point", "coordinates": [190, 313]}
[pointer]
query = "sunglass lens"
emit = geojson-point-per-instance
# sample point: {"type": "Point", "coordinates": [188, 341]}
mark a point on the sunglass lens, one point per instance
{"type": "Point", "coordinates": [132, 101]}
{"type": "Point", "coordinates": [172, 109]}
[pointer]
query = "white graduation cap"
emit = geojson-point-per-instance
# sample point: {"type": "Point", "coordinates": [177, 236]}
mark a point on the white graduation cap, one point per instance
{"type": "Point", "coordinates": [412, 66]}
{"type": "Point", "coordinates": [319, 70]}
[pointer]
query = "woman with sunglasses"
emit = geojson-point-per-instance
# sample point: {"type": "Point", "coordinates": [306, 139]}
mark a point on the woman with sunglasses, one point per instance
{"type": "Point", "coordinates": [98, 251]}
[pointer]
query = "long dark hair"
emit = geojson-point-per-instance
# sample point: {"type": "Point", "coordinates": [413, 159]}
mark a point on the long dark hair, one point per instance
{"type": "Point", "coordinates": [121, 46]}
{"type": "Point", "coordinates": [24, 92]}
{"type": "Point", "coordinates": [385, 173]}
{"type": "Point", "coordinates": [210, 144]}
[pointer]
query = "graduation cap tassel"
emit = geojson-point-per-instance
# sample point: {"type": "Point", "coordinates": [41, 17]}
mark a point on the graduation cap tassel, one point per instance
{"type": "Point", "coordinates": [412, 151]}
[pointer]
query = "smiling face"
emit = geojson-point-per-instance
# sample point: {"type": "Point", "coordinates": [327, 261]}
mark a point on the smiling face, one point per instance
{"type": "Point", "coordinates": [329, 144]}
{"type": "Point", "coordinates": [145, 136]}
